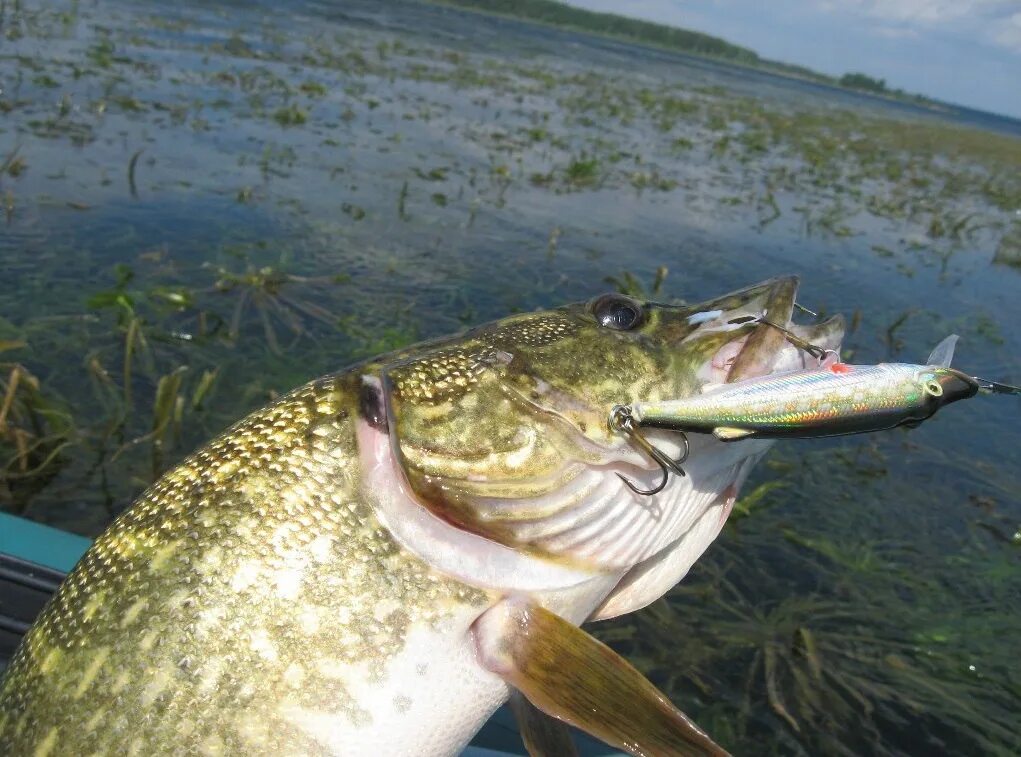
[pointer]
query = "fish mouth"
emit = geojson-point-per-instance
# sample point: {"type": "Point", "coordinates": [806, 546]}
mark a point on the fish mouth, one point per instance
{"type": "Point", "coordinates": [572, 508]}
{"type": "Point", "coordinates": [755, 319]}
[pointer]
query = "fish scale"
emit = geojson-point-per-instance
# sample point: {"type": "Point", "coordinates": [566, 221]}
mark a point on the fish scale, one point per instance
{"type": "Point", "coordinates": [341, 572]}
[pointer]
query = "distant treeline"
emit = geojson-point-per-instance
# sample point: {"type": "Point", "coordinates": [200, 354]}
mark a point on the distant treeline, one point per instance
{"type": "Point", "coordinates": [861, 81]}
{"type": "Point", "coordinates": [561, 14]}
{"type": "Point", "coordinates": [556, 13]}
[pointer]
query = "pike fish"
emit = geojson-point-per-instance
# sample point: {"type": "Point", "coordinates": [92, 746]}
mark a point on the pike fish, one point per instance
{"type": "Point", "coordinates": [376, 561]}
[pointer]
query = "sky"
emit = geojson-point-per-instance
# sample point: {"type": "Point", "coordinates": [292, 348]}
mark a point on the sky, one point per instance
{"type": "Point", "coordinates": [966, 52]}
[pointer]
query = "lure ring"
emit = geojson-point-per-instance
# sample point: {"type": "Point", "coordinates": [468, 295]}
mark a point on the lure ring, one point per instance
{"type": "Point", "coordinates": [623, 421]}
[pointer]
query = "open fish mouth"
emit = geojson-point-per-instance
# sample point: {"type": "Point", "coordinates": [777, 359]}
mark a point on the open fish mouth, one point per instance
{"type": "Point", "coordinates": [502, 435]}
{"type": "Point", "coordinates": [761, 348]}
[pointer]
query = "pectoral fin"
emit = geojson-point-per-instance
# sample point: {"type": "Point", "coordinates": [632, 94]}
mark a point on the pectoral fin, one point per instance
{"type": "Point", "coordinates": [727, 434]}
{"type": "Point", "coordinates": [568, 674]}
{"type": "Point", "coordinates": [544, 736]}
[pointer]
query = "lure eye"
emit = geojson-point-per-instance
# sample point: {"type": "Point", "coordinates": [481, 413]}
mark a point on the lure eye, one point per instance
{"type": "Point", "coordinates": [617, 312]}
{"type": "Point", "coordinates": [934, 388]}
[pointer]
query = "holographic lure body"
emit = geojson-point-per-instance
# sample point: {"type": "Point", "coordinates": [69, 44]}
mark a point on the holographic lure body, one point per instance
{"type": "Point", "coordinates": [831, 400]}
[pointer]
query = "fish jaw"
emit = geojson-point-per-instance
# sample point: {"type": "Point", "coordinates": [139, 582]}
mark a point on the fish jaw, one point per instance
{"type": "Point", "coordinates": [503, 435]}
{"type": "Point", "coordinates": [455, 552]}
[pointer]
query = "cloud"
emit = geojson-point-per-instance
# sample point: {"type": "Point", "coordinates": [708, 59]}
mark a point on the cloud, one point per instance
{"type": "Point", "coordinates": [924, 12]}
{"type": "Point", "coordinates": [1009, 34]}
{"type": "Point", "coordinates": [896, 32]}
{"type": "Point", "coordinates": [985, 21]}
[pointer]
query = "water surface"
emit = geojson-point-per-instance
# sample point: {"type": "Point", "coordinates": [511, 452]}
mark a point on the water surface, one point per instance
{"type": "Point", "coordinates": [207, 204]}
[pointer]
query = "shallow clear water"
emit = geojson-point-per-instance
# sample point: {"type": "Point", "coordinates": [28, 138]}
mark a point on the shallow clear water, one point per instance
{"type": "Point", "coordinates": [414, 170]}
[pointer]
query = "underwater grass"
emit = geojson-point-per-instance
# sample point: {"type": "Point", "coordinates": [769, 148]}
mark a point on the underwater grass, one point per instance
{"type": "Point", "coordinates": [414, 189]}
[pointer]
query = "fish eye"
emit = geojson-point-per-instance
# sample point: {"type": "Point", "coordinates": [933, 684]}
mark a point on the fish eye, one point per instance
{"type": "Point", "coordinates": [618, 312]}
{"type": "Point", "coordinates": [934, 388]}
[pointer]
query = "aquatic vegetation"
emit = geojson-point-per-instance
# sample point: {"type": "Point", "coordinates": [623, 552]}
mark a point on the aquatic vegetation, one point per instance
{"type": "Point", "coordinates": [34, 431]}
{"type": "Point", "coordinates": [628, 283]}
{"type": "Point", "coordinates": [452, 182]}
{"type": "Point", "coordinates": [290, 115]}
{"type": "Point", "coordinates": [582, 171]}
{"type": "Point", "coordinates": [1008, 251]}
{"type": "Point", "coordinates": [260, 291]}
{"type": "Point", "coordinates": [14, 164]}
{"type": "Point", "coordinates": [834, 674]}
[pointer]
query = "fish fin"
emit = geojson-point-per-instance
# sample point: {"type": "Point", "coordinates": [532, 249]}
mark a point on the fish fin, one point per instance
{"type": "Point", "coordinates": [568, 674]}
{"type": "Point", "coordinates": [711, 387]}
{"type": "Point", "coordinates": [944, 352]}
{"type": "Point", "coordinates": [728, 434]}
{"type": "Point", "coordinates": [544, 736]}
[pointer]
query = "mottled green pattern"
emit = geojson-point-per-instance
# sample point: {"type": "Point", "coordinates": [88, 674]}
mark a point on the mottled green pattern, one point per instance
{"type": "Point", "coordinates": [519, 408]}
{"type": "Point", "coordinates": [243, 584]}
{"type": "Point", "coordinates": [252, 581]}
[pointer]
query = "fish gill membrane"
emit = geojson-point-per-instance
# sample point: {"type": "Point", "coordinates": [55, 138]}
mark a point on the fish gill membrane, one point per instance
{"type": "Point", "coordinates": [378, 559]}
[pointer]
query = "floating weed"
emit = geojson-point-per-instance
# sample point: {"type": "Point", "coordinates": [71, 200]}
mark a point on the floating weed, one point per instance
{"type": "Point", "coordinates": [627, 283]}
{"type": "Point", "coordinates": [641, 180]}
{"type": "Point", "coordinates": [377, 342]}
{"type": "Point", "coordinates": [167, 413]}
{"type": "Point", "coordinates": [894, 344]}
{"type": "Point", "coordinates": [357, 212]}
{"type": "Point", "coordinates": [202, 389]}
{"type": "Point", "coordinates": [265, 294]}
{"type": "Point", "coordinates": [868, 647]}
{"type": "Point", "coordinates": [313, 88]}
{"type": "Point", "coordinates": [123, 303]}
{"type": "Point", "coordinates": [837, 676]}
{"type": "Point", "coordinates": [34, 431]}
{"type": "Point", "coordinates": [132, 164]}
{"type": "Point", "coordinates": [14, 164]}
{"type": "Point", "coordinates": [290, 115]}
{"type": "Point", "coordinates": [1008, 251]}
{"type": "Point", "coordinates": [402, 201]}
{"type": "Point", "coordinates": [755, 501]}
{"type": "Point", "coordinates": [582, 171]}
{"type": "Point", "coordinates": [553, 241]}
{"type": "Point", "coordinates": [433, 174]}
{"type": "Point", "coordinates": [681, 145]}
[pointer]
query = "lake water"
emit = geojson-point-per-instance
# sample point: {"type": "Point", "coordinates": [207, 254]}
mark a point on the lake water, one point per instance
{"type": "Point", "coordinates": [225, 200]}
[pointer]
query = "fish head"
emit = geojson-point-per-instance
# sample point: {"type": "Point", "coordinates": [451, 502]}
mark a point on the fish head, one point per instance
{"type": "Point", "coordinates": [504, 432]}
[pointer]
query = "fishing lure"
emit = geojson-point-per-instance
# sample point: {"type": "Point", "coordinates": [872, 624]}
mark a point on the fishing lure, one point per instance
{"type": "Point", "coordinates": [832, 400]}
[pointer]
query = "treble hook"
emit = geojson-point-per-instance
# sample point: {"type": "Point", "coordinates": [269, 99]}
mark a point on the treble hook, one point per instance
{"type": "Point", "coordinates": [622, 421]}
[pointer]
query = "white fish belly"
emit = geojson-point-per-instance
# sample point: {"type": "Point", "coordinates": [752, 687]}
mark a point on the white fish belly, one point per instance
{"type": "Point", "coordinates": [431, 698]}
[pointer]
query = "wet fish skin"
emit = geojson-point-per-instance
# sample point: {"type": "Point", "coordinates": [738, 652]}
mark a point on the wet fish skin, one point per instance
{"type": "Point", "coordinates": [313, 580]}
